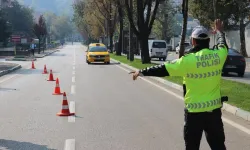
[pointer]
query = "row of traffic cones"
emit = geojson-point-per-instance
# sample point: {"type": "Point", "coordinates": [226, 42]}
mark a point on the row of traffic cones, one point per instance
{"type": "Point", "coordinates": [65, 107]}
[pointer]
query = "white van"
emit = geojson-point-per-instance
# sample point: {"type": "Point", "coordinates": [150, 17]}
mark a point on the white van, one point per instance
{"type": "Point", "coordinates": [158, 49]}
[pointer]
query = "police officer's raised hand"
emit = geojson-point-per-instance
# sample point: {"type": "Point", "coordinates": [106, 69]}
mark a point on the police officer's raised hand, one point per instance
{"type": "Point", "coordinates": [135, 74]}
{"type": "Point", "coordinates": [218, 25]}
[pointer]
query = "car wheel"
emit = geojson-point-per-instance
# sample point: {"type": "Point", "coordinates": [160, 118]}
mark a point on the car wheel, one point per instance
{"type": "Point", "coordinates": [241, 74]}
{"type": "Point", "coordinates": [164, 59]}
{"type": "Point", "coordinates": [108, 62]}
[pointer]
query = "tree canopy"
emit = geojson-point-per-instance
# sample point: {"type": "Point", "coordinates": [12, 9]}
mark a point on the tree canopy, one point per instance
{"type": "Point", "coordinates": [58, 27]}
{"type": "Point", "coordinates": [24, 22]}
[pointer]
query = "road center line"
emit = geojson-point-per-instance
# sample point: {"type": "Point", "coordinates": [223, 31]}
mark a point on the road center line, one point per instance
{"type": "Point", "coordinates": [228, 121]}
{"type": "Point", "coordinates": [72, 109]}
{"type": "Point", "coordinates": [74, 67]}
{"type": "Point", "coordinates": [73, 89]}
{"type": "Point", "coordinates": [74, 72]}
{"type": "Point", "coordinates": [73, 79]}
{"type": "Point", "coordinates": [70, 144]}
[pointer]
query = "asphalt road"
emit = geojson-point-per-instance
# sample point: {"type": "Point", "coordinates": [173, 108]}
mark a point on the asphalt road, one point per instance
{"type": "Point", "coordinates": [112, 111]}
{"type": "Point", "coordinates": [230, 76]}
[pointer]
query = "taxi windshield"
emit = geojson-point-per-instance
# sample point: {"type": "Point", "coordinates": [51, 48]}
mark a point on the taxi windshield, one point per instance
{"type": "Point", "coordinates": [98, 49]}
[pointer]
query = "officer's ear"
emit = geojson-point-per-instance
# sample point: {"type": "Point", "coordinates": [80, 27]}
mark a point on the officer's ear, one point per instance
{"type": "Point", "coordinates": [193, 41]}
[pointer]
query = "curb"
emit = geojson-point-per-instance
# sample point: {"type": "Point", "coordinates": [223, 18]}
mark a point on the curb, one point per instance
{"type": "Point", "coordinates": [20, 59]}
{"type": "Point", "coordinates": [226, 107]}
{"type": "Point", "coordinates": [2, 73]}
{"type": "Point", "coordinates": [47, 54]}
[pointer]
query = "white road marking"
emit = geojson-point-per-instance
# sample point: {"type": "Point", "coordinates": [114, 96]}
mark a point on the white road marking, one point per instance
{"type": "Point", "coordinates": [74, 67]}
{"type": "Point", "coordinates": [73, 89]}
{"type": "Point", "coordinates": [72, 109]}
{"type": "Point", "coordinates": [70, 144]}
{"type": "Point", "coordinates": [228, 121]}
{"type": "Point", "coordinates": [73, 79]}
{"type": "Point", "coordinates": [74, 72]}
{"type": "Point", "coordinates": [74, 55]}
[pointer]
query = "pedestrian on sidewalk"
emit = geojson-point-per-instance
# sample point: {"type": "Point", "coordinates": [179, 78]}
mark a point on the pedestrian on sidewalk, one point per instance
{"type": "Point", "coordinates": [32, 47]}
{"type": "Point", "coordinates": [201, 70]}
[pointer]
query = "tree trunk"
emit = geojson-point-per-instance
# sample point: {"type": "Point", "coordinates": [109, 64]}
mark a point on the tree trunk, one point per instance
{"type": "Point", "coordinates": [119, 50]}
{"type": "Point", "coordinates": [144, 49]}
{"type": "Point", "coordinates": [242, 38]}
{"type": "Point", "coordinates": [184, 27]}
{"type": "Point", "coordinates": [111, 43]}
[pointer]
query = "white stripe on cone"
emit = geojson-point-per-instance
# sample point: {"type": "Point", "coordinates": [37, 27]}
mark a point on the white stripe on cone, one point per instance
{"type": "Point", "coordinates": [65, 107]}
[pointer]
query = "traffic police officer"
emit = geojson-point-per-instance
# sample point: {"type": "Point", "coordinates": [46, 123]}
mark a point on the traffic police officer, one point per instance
{"type": "Point", "coordinates": [201, 70]}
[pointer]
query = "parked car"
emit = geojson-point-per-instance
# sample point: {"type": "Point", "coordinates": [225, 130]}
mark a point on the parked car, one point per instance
{"type": "Point", "coordinates": [235, 63]}
{"type": "Point", "coordinates": [187, 45]}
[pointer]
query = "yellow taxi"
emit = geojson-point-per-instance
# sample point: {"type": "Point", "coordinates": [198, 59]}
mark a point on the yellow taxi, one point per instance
{"type": "Point", "coordinates": [97, 52]}
{"type": "Point", "coordinates": [95, 44]}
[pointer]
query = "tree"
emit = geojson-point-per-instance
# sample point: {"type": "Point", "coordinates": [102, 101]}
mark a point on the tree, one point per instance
{"type": "Point", "coordinates": [242, 15]}
{"type": "Point", "coordinates": [164, 23]}
{"type": "Point", "coordinates": [233, 13]}
{"type": "Point", "coordinates": [58, 27]}
{"type": "Point", "coordinates": [23, 23]}
{"type": "Point", "coordinates": [5, 29]}
{"type": "Point", "coordinates": [184, 27]}
{"type": "Point", "coordinates": [85, 25]}
{"type": "Point", "coordinates": [121, 18]}
{"type": "Point", "coordinates": [145, 20]}
{"type": "Point", "coordinates": [107, 10]}
{"type": "Point", "coordinates": [40, 30]}
{"type": "Point", "coordinates": [96, 17]}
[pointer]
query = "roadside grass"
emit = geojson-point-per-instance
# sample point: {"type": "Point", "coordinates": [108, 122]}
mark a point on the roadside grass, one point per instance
{"type": "Point", "coordinates": [238, 93]}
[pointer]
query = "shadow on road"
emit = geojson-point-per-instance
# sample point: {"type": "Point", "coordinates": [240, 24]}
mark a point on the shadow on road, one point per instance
{"type": "Point", "coordinates": [7, 89]}
{"type": "Point", "coordinates": [57, 54]}
{"type": "Point", "coordinates": [30, 71]}
{"type": "Point", "coordinates": [12, 145]}
{"type": "Point", "coordinates": [235, 75]}
{"type": "Point", "coordinates": [113, 63]}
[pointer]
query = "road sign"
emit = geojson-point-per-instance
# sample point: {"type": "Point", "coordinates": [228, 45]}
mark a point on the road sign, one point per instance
{"type": "Point", "coordinates": [16, 38]}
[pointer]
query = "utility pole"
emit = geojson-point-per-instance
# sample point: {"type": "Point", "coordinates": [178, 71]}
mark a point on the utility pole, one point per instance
{"type": "Point", "coordinates": [131, 52]}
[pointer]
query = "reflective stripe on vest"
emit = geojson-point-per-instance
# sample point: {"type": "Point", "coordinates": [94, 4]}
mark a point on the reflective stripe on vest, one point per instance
{"type": "Point", "coordinates": [204, 75]}
{"type": "Point", "coordinates": [203, 104]}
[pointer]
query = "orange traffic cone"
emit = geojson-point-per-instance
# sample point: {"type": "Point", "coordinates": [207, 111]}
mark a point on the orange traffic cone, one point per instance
{"type": "Point", "coordinates": [65, 107]}
{"type": "Point", "coordinates": [51, 78]}
{"type": "Point", "coordinates": [33, 65]}
{"type": "Point", "coordinates": [57, 88]}
{"type": "Point", "coordinates": [45, 70]}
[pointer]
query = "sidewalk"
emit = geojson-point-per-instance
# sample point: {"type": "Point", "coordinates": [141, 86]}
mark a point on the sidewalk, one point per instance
{"type": "Point", "coordinates": [32, 58]}
{"type": "Point", "coordinates": [6, 68]}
